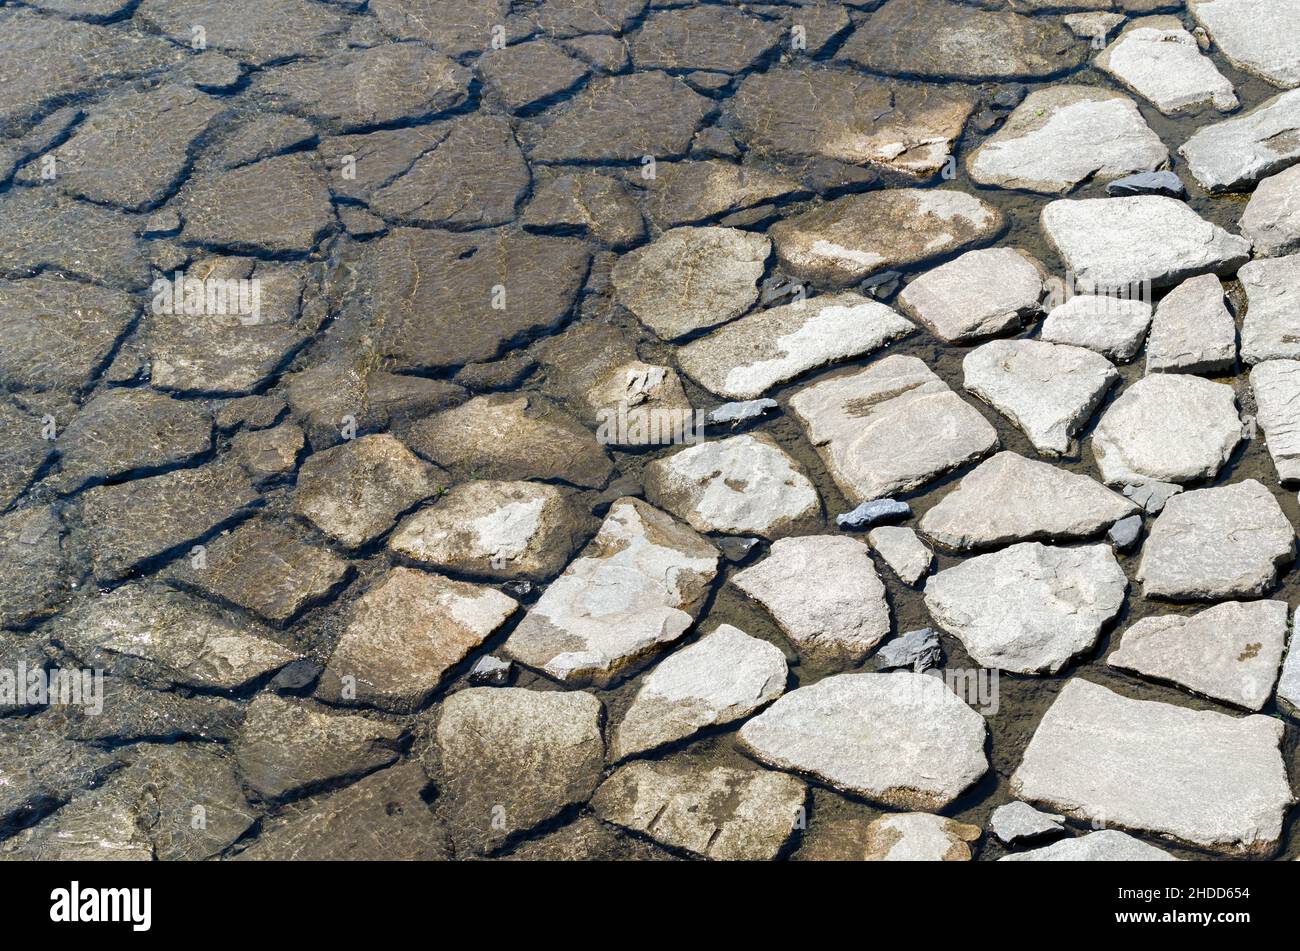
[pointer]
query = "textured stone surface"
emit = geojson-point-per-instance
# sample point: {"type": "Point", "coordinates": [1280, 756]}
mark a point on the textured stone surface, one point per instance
{"type": "Point", "coordinates": [1216, 543]}
{"type": "Point", "coordinates": [1234, 154]}
{"type": "Point", "coordinates": [1030, 608]}
{"type": "Point", "coordinates": [1276, 386]}
{"type": "Point", "coordinates": [596, 204]}
{"type": "Point", "coordinates": [1193, 331]}
{"type": "Point", "coordinates": [1017, 822]}
{"type": "Point", "coordinates": [1254, 35]}
{"type": "Point", "coordinates": [1198, 777]}
{"type": "Point", "coordinates": [1009, 498]}
{"type": "Point", "coordinates": [257, 32]}
{"type": "Point", "coordinates": [36, 556]}
{"type": "Point", "coordinates": [1271, 328]}
{"type": "Point", "coordinates": [903, 551]}
{"type": "Point", "coordinates": [841, 618]}
{"type": "Point", "coordinates": [1105, 845]}
{"type": "Point", "coordinates": [721, 39]}
{"type": "Point", "coordinates": [901, 739]}
{"type": "Point", "coordinates": [919, 837]}
{"type": "Point", "coordinates": [980, 294]}
{"type": "Point", "coordinates": [1272, 217]}
{"type": "Point", "coordinates": [41, 231]}
{"type": "Point", "coordinates": [683, 193]}
{"type": "Point", "coordinates": [1160, 61]}
{"type": "Point", "coordinates": [891, 427]}
{"type": "Point", "coordinates": [526, 74]}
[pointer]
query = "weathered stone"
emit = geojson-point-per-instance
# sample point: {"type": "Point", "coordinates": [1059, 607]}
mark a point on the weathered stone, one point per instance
{"type": "Point", "coordinates": [35, 563]}
{"type": "Point", "coordinates": [1091, 26]}
{"type": "Point", "coordinates": [382, 817]}
{"type": "Point", "coordinates": [622, 118]}
{"type": "Point", "coordinates": [1276, 386]}
{"type": "Point", "coordinates": [980, 294]}
{"type": "Point", "coordinates": [723, 677]}
{"type": "Point", "coordinates": [494, 530]}
{"type": "Point", "coordinates": [128, 713]}
{"type": "Point", "coordinates": [1160, 61]}
{"type": "Point", "coordinates": [686, 193]}
{"type": "Point", "coordinates": [901, 739]}
{"type": "Point", "coordinates": [692, 278]}
{"type": "Point", "coordinates": [512, 436]}
{"type": "Point", "coordinates": [1167, 428]}
{"type": "Point", "coordinates": [406, 633]}
{"type": "Point", "coordinates": [525, 74]}
{"type": "Point", "coordinates": [1048, 390]}
{"type": "Point", "coordinates": [1271, 328]}
{"type": "Point", "coordinates": [843, 617]}
{"type": "Point", "coordinates": [810, 112]}
{"type": "Point", "coordinates": [265, 453]}
{"type": "Point", "coordinates": [1064, 135]}
{"type": "Point", "coordinates": [1204, 778]}
{"type": "Point", "coordinates": [869, 513]}
{"type": "Point", "coordinates": [757, 352]}
{"type": "Point", "coordinates": [260, 138]}
{"type": "Point", "coordinates": [58, 333]}
{"type": "Point", "coordinates": [1254, 35]}
{"type": "Point", "coordinates": [843, 241]}
{"type": "Point", "coordinates": [587, 839]}
{"type": "Point", "coordinates": [1019, 822]}
{"type": "Point", "coordinates": [1288, 685]}
{"type": "Point", "coordinates": [1148, 183]}
{"type": "Point", "coordinates": [1112, 326]}
{"type": "Point", "coordinates": [1193, 332]}
{"type": "Point", "coordinates": [455, 27]}
{"type": "Point", "coordinates": [41, 231]}
{"type": "Point", "coordinates": [1272, 217]}
{"type": "Point", "coordinates": [228, 209]}
{"type": "Point", "coordinates": [513, 758]}
{"type": "Point", "coordinates": [634, 589]}
{"type": "Point", "coordinates": [1230, 651]}
{"type": "Point", "coordinates": [1105, 845]}
{"type": "Point", "coordinates": [891, 427]}
{"type": "Point", "coordinates": [737, 414]}
{"type": "Point", "coordinates": [1030, 608]}
{"type": "Point", "coordinates": [712, 38]}
{"type": "Point", "coordinates": [1111, 243]}
{"type": "Point", "coordinates": [1233, 154]}
{"type": "Point", "coordinates": [490, 671]}
{"type": "Point", "coordinates": [937, 39]}
{"type": "Point", "coordinates": [257, 32]}
{"type": "Point", "coordinates": [744, 485]}
{"type": "Point", "coordinates": [919, 837]}
{"type": "Point", "coordinates": [1221, 542]}
{"type": "Point", "coordinates": [903, 551]}
{"type": "Point", "coordinates": [718, 812]}
{"type": "Point", "coordinates": [23, 449]}
{"type": "Point", "coordinates": [39, 767]}
{"type": "Point", "coordinates": [1009, 498]}
{"type": "Point", "coordinates": [588, 202]}
{"type": "Point", "coordinates": [1151, 496]}
{"type": "Point", "coordinates": [587, 16]}
{"type": "Point", "coordinates": [1124, 534]}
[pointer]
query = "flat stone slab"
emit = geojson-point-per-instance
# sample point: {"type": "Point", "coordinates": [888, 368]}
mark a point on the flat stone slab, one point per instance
{"type": "Point", "coordinates": [891, 427]}
{"type": "Point", "coordinates": [1064, 135]}
{"type": "Point", "coordinates": [1048, 390]}
{"type": "Point", "coordinates": [1254, 35]}
{"type": "Point", "coordinates": [692, 278]}
{"type": "Point", "coordinates": [1221, 542]}
{"type": "Point", "coordinates": [42, 231]}
{"type": "Point", "coordinates": [494, 529]}
{"type": "Point", "coordinates": [1193, 331]}
{"type": "Point", "coordinates": [1030, 608]}
{"type": "Point", "coordinates": [941, 40]}
{"type": "Point", "coordinates": [1009, 498]}
{"type": "Point", "coordinates": [719, 812]}
{"type": "Point", "coordinates": [526, 74]}
{"type": "Point", "coordinates": [406, 633]}
{"type": "Point", "coordinates": [589, 202]}
{"type": "Point", "coordinates": [1276, 386]}
{"type": "Point", "coordinates": [1113, 326]}
{"type": "Point", "coordinates": [38, 561]}
{"type": "Point", "coordinates": [633, 590]}
{"type": "Point", "coordinates": [901, 739]}
{"type": "Point", "coordinates": [1018, 822]}
{"type": "Point", "coordinates": [1160, 60]}
{"type": "Point", "coordinates": [512, 758]}
{"type": "Point", "coordinates": [1169, 427]}
{"type": "Point", "coordinates": [746, 358]}
{"type": "Point", "coordinates": [1288, 685]}
{"type": "Point", "coordinates": [1234, 154]}
{"type": "Point", "coordinates": [843, 617]}
{"type": "Point", "coordinates": [1114, 243]}
{"type": "Point", "coordinates": [1105, 845]}
{"type": "Point", "coordinates": [23, 449]}
{"type": "Point", "coordinates": [744, 485]}
{"type": "Point", "coordinates": [844, 240]}
{"type": "Point", "coordinates": [1271, 327]}
{"type": "Point", "coordinates": [1230, 652]}
{"type": "Point", "coordinates": [721, 678]}
{"type": "Point", "coordinates": [919, 837]}
{"type": "Point", "coordinates": [1272, 216]}
{"type": "Point", "coordinates": [1207, 779]}
{"type": "Point", "coordinates": [685, 193]}
{"type": "Point", "coordinates": [903, 551]}
{"type": "Point", "coordinates": [719, 39]}
{"type": "Point", "coordinates": [259, 32]}
{"type": "Point", "coordinates": [980, 294]}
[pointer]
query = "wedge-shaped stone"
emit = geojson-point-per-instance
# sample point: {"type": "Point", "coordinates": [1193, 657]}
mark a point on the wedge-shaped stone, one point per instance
{"type": "Point", "coordinates": [903, 551]}
{"type": "Point", "coordinates": [746, 358]}
{"type": "Point", "coordinates": [980, 294]}
{"type": "Point", "coordinates": [890, 428]}
{"type": "Point", "coordinates": [1230, 652]}
{"type": "Point", "coordinates": [718, 812]}
{"type": "Point", "coordinates": [1030, 608]}
{"type": "Point", "coordinates": [1255, 35]}
{"type": "Point", "coordinates": [1105, 845]}
{"type": "Point", "coordinates": [1207, 779]}
{"type": "Point", "coordinates": [1233, 154]}
{"type": "Point", "coordinates": [511, 758]}
{"type": "Point", "coordinates": [901, 739]}
{"type": "Point", "coordinates": [1193, 332]}
{"type": "Point", "coordinates": [1276, 385]}
{"type": "Point", "coordinates": [1114, 243]}
{"type": "Point", "coordinates": [1113, 326]}
{"type": "Point", "coordinates": [1064, 135]}
{"type": "Point", "coordinates": [1010, 498]}
{"type": "Point", "coordinates": [919, 837]}
{"type": "Point", "coordinates": [1222, 542]}
{"type": "Point", "coordinates": [1159, 60]}
{"type": "Point", "coordinates": [843, 617]}
{"type": "Point", "coordinates": [1272, 217]}
{"type": "Point", "coordinates": [721, 678]}
{"type": "Point", "coordinates": [738, 486]}
{"type": "Point", "coordinates": [634, 589]}
{"type": "Point", "coordinates": [1271, 328]}
{"type": "Point", "coordinates": [1167, 428]}
{"type": "Point", "coordinates": [1048, 390]}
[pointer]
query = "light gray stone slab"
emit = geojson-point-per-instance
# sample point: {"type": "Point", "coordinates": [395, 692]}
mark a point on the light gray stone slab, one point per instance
{"type": "Point", "coordinates": [1113, 326]}
{"type": "Point", "coordinates": [980, 294]}
{"type": "Point", "coordinates": [1271, 327]}
{"type": "Point", "coordinates": [1193, 331]}
{"type": "Point", "coordinates": [1276, 385]}
{"type": "Point", "coordinates": [1233, 154]}
{"type": "Point", "coordinates": [1159, 60]}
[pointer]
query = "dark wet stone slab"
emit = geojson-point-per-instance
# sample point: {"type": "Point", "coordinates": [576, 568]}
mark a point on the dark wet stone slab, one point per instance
{"type": "Point", "coordinates": [36, 565]}
{"type": "Point", "coordinates": [40, 767]}
{"type": "Point", "coordinates": [572, 17]}
{"type": "Point", "coordinates": [589, 840]}
{"type": "Point", "coordinates": [266, 453]}
{"type": "Point", "coordinates": [684, 193]}
{"type": "Point", "coordinates": [228, 209]}
{"type": "Point", "coordinates": [360, 88]}
{"type": "Point", "coordinates": [121, 431]}
{"type": "Point", "coordinates": [264, 137]}
{"type": "Point", "coordinates": [360, 164]}
{"type": "Point", "coordinates": [453, 27]}
{"type": "Point", "coordinates": [586, 203]}
{"type": "Point", "coordinates": [607, 53]}
{"type": "Point", "coordinates": [622, 118]}
{"type": "Point", "coordinates": [43, 231]}
{"type": "Point", "coordinates": [211, 71]}
{"type": "Point", "coordinates": [523, 75]}
{"type": "Point", "coordinates": [23, 449]}
{"type": "Point", "coordinates": [131, 713]}
{"type": "Point", "coordinates": [937, 39]}
{"type": "Point", "coordinates": [89, 10]}
{"type": "Point", "coordinates": [708, 37]}
{"type": "Point", "coordinates": [128, 524]}
{"type": "Point", "coordinates": [254, 31]}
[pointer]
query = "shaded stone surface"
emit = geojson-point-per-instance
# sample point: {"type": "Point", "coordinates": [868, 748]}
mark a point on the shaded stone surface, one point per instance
{"type": "Point", "coordinates": [1204, 778]}
{"type": "Point", "coordinates": [980, 294]}
{"type": "Point", "coordinates": [1276, 387]}
{"type": "Point", "coordinates": [901, 739]}
{"type": "Point", "coordinates": [919, 837]}
{"type": "Point", "coordinates": [684, 193]}
{"type": "Point", "coordinates": [40, 767]}
{"type": "Point", "coordinates": [1234, 154]}
{"type": "Point", "coordinates": [1160, 61]}
{"type": "Point", "coordinates": [1193, 331]}
{"type": "Point", "coordinates": [129, 713]}
{"type": "Point", "coordinates": [1104, 845]}
{"type": "Point", "coordinates": [586, 202]}
{"type": "Point", "coordinates": [528, 73]}
{"type": "Point", "coordinates": [1271, 328]}
{"type": "Point", "coordinates": [257, 32]}
{"type": "Point", "coordinates": [37, 561]}
{"type": "Point", "coordinates": [1017, 822]}
{"type": "Point", "coordinates": [23, 449]}
{"type": "Point", "coordinates": [891, 427]}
